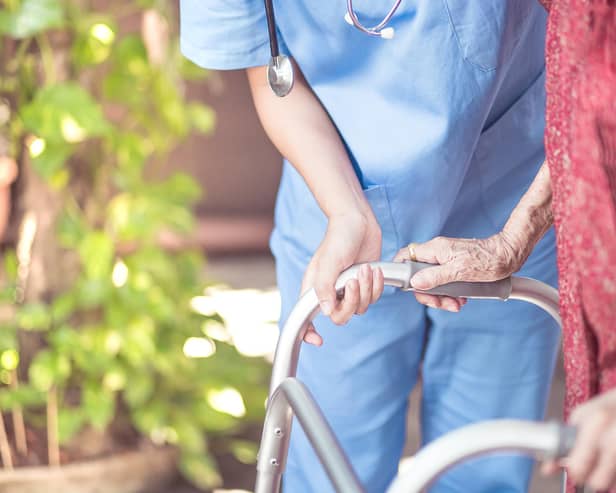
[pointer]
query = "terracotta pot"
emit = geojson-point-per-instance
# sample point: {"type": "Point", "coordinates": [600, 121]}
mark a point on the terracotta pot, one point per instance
{"type": "Point", "coordinates": [145, 470]}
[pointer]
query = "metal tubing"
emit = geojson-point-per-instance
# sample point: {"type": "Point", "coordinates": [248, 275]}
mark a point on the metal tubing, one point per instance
{"type": "Point", "coordinates": [546, 440]}
{"type": "Point", "coordinates": [291, 393]}
{"type": "Point", "coordinates": [288, 347]}
{"type": "Point", "coordinates": [538, 293]}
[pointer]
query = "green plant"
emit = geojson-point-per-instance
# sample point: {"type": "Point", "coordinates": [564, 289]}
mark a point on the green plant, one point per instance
{"type": "Point", "coordinates": [97, 340]}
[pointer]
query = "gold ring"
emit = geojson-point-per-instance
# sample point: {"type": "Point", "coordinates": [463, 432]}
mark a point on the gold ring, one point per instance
{"type": "Point", "coordinates": [411, 248]}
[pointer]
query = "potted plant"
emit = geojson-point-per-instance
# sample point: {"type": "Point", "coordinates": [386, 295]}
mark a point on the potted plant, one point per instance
{"type": "Point", "coordinates": [106, 372]}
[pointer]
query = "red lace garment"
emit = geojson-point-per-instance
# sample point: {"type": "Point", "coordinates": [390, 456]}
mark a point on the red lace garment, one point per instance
{"type": "Point", "coordinates": [581, 153]}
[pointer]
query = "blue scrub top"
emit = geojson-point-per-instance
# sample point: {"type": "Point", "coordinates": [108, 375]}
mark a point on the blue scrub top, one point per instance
{"type": "Point", "coordinates": [443, 123]}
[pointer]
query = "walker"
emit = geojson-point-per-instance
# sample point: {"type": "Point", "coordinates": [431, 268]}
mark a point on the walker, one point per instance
{"type": "Point", "coordinates": [289, 397]}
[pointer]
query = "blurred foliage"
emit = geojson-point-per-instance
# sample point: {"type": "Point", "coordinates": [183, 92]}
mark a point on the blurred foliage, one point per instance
{"type": "Point", "coordinates": [93, 107]}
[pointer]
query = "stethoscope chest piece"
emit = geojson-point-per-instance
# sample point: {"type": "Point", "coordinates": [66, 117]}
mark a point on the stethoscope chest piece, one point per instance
{"type": "Point", "coordinates": [280, 75]}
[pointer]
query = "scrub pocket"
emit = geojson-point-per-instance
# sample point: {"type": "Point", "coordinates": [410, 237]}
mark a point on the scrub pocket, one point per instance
{"type": "Point", "coordinates": [301, 225]}
{"type": "Point", "coordinates": [488, 31]}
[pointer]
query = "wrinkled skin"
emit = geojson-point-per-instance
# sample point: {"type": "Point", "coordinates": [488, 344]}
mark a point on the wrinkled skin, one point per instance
{"type": "Point", "coordinates": [461, 259]}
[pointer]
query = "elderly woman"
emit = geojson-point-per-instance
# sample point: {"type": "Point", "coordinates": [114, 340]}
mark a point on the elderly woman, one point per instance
{"type": "Point", "coordinates": [575, 190]}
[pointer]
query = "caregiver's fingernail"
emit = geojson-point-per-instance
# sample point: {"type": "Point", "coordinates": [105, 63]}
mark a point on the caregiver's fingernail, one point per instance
{"type": "Point", "coordinates": [326, 307]}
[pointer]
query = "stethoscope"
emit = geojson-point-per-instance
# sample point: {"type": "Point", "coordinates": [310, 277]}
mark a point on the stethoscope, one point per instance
{"type": "Point", "coordinates": [280, 69]}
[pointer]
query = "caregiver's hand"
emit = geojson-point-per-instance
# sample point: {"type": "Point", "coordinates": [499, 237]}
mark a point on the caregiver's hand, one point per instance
{"type": "Point", "coordinates": [350, 238]}
{"type": "Point", "coordinates": [461, 259]}
{"type": "Point", "coordinates": [593, 458]}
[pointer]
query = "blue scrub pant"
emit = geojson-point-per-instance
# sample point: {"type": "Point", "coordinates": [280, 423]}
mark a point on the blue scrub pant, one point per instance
{"type": "Point", "coordinates": [492, 360]}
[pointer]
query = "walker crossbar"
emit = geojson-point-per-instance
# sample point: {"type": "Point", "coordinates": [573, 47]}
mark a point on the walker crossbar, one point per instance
{"type": "Point", "coordinates": [279, 415]}
{"type": "Point", "coordinates": [293, 394]}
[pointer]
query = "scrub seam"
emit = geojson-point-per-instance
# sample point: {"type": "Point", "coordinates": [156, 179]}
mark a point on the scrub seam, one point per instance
{"type": "Point", "coordinates": [394, 227]}
{"type": "Point", "coordinates": [494, 126]}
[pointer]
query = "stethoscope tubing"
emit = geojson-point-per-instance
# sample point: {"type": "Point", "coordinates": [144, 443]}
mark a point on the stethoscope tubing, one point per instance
{"type": "Point", "coordinates": [372, 31]}
{"type": "Point", "coordinates": [271, 27]}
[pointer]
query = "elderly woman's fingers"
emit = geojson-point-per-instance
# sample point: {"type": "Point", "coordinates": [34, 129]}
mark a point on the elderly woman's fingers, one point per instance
{"type": "Point", "coordinates": [443, 302]}
{"type": "Point", "coordinates": [432, 277]}
{"type": "Point", "coordinates": [487, 259]}
{"type": "Point", "coordinates": [435, 251]}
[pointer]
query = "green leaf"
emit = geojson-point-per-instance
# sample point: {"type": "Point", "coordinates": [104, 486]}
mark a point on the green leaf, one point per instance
{"type": "Point", "coordinates": [131, 151]}
{"type": "Point", "coordinates": [9, 359]}
{"type": "Point", "coordinates": [70, 422]}
{"type": "Point", "coordinates": [170, 105]}
{"type": "Point", "coordinates": [244, 451]}
{"type": "Point", "coordinates": [34, 316]}
{"type": "Point", "coordinates": [201, 117]}
{"type": "Point", "coordinates": [8, 337]}
{"type": "Point", "coordinates": [150, 416]}
{"type": "Point", "coordinates": [48, 369]}
{"type": "Point", "coordinates": [115, 379]}
{"type": "Point", "coordinates": [179, 188]}
{"type": "Point", "coordinates": [94, 41]}
{"type": "Point", "coordinates": [140, 388]}
{"type": "Point", "coordinates": [96, 253]}
{"type": "Point", "coordinates": [212, 420]}
{"type": "Point", "coordinates": [64, 113]}
{"type": "Point", "coordinates": [71, 228]}
{"type": "Point", "coordinates": [32, 17]}
{"type": "Point", "coordinates": [200, 470]}
{"type": "Point", "coordinates": [10, 264]}
{"type": "Point", "coordinates": [190, 437]}
{"type": "Point", "coordinates": [98, 405]}
{"type": "Point", "coordinates": [52, 159]}
{"type": "Point", "coordinates": [93, 292]}
{"type": "Point", "coordinates": [65, 340]}
{"type": "Point", "coordinates": [23, 396]}
{"type": "Point", "coordinates": [127, 82]}
{"type": "Point", "coordinates": [63, 306]}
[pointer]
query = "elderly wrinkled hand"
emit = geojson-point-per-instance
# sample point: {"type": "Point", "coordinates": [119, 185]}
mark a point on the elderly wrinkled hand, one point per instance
{"type": "Point", "coordinates": [593, 458]}
{"type": "Point", "coordinates": [461, 259]}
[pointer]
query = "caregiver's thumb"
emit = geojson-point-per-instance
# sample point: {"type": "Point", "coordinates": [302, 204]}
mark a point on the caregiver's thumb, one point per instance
{"type": "Point", "coordinates": [324, 284]}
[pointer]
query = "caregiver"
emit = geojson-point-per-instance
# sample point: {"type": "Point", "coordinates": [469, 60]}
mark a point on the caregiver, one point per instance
{"type": "Point", "coordinates": [386, 141]}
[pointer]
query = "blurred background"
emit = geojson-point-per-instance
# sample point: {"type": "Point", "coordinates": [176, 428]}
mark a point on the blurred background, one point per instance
{"type": "Point", "coordinates": [138, 307]}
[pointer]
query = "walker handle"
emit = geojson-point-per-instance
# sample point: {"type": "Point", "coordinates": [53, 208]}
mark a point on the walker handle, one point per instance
{"type": "Point", "coordinates": [480, 290]}
{"type": "Point", "coordinates": [493, 290]}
